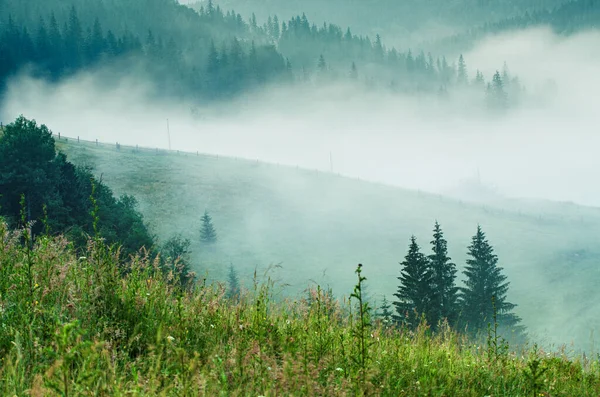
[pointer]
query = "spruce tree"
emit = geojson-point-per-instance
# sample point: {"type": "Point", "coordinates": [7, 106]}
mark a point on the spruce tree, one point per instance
{"type": "Point", "coordinates": [445, 291]}
{"type": "Point", "coordinates": [233, 283]}
{"type": "Point", "coordinates": [207, 233]}
{"type": "Point", "coordinates": [484, 281]}
{"type": "Point", "coordinates": [322, 65]}
{"type": "Point", "coordinates": [385, 312]}
{"type": "Point", "coordinates": [496, 94]}
{"type": "Point", "coordinates": [353, 72]}
{"type": "Point", "coordinates": [462, 77]}
{"type": "Point", "coordinates": [414, 291]}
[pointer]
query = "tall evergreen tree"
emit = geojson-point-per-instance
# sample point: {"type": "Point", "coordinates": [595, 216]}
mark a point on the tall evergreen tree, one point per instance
{"type": "Point", "coordinates": [233, 283]}
{"type": "Point", "coordinates": [385, 311]}
{"type": "Point", "coordinates": [496, 95]}
{"type": "Point", "coordinates": [414, 292]}
{"type": "Point", "coordinates": [322, 65]}
{"type": "Point", "coordinates": [484, 281]}
{"type": "Point", "coordinates": [462, 76]}
{"type": "Point", "coordinates": [207, 233]}
{"type": "Point", "coordinates": [353, 72]}
{"type": "Point", "coordinates": [445, 291]}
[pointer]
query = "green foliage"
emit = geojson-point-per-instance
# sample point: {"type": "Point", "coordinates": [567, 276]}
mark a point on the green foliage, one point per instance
{"type": "Point", "coordinates": [444, 298]}
{"type": "Point", "coordinates": [40, 186]}
{"type": "Point", "coordinates": [385, 312]}
{"type": "Point", "coordinates": [415, 290]}
{"type": "Point", "coordinates": [483, 298]}
{"type": "Point", "coordinates": [208, 233]}
{"type": "Point", "coordinates": [92, 330]}
{"type": "Point", "coordinates": [361, 331]}
{"type": "Point", "coordinates": [233, 284]}
{"type": "Point", "coordinates": [207, 54]}
{"type": "Point", "coordinates": [176, 258]}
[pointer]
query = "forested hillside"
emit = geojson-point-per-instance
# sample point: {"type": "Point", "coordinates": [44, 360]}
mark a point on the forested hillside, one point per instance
{"type": "Point", "coordinates": [404, 22]}
{"type": "Point", "coordinates": [568, 18]}
{"type": "Point", "coordinates": [212, 53]}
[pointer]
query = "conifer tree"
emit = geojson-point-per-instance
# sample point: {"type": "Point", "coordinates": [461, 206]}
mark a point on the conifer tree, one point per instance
{"type": "Point", "coordinates": [484, 281]}
{"type": "Point", "coordinates": [322, 65]}
{"type": "Point", "coordinates": [462, 77]}
{"type": "Point", "coordinates": [445, 291]}
{"type": "Point", "coordinates": [385, 312]}
{"type": "Point", "coordinates": [496, 95]}
{"type": "Point", "coordinates": [479, 80]}
{"type": "Point", "coordinates": [233, 283]}
{"type": "Point", "coordinates": [353, 72]}
{"type": "Point", "coordinates": [207, 233]}
{"type": "Point", "coordinates": [414, 291]}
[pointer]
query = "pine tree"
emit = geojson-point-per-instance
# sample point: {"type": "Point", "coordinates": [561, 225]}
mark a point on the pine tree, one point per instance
{"type": "Point", "coordinates": [207, 233]}
{"type": "Point", "coordinates": [462, 77]}
{"type": "Point", "coordinates": [322, 65]}
{"type": "Point", "coordinates": [385, 312]}
{"type": "Point", "coordinates": [484, 281]}
{"type": "Point", "coordinates": [233, 283]}
{"type": "Point", "coordinates": [479, 80]}
{"type": "Point", "coordinates": [445, 291]}
{"type": "Point", "coordinates": [353, 72]}
{"type": "Point", "coordinates": [414, 291]}
{"type": "Point", "coordinates": [496, 95]}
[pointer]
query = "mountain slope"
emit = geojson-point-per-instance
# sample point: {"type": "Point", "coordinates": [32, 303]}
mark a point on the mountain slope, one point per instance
{"type": "Point", "coordinates": [404, 22]}
{"type": "Point", "coordinates": [318, 226]}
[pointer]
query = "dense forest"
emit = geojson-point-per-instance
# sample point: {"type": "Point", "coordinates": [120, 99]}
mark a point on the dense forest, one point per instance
{"type": "Point", "coordinates": [210, 53]}
{"type": "Point", "coordinates": [568, 18]}
{"type": "Point", "coordinates": [403, 21]}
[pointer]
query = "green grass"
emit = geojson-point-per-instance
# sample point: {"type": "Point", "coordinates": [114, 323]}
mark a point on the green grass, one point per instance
{"type": "Point", "coordinates": [99, 326]}
{"type": "Point", "coordinates": [317, 225]}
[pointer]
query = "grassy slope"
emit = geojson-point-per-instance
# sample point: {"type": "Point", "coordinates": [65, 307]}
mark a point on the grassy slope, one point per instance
{"type": "Point", "coordinates": [73, 327]}
{"type": "Point", "coordinates": [319, 226]}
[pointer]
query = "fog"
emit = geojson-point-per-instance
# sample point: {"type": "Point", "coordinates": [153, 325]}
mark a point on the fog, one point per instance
{"type": "Point", "coordinates": [545, 148]}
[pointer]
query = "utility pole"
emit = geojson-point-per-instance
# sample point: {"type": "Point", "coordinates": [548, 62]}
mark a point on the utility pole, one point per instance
{"type": "Point", "coordinates": [169, 134]}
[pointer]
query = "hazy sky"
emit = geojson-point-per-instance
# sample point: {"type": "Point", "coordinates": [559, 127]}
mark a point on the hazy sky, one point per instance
{"type": "Point", "coordinates": [546, 149]}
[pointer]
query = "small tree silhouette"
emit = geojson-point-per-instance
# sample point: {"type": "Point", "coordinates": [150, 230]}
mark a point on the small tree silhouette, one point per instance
{"type": "Point", "coordinates": [207, 233]}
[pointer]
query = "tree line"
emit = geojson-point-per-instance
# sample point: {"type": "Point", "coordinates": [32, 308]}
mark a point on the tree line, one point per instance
{"type": "Point", "coordinates": [208, 53]}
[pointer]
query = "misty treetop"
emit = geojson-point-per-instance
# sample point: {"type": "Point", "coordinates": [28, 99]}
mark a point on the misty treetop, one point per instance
{"type": "Point", "coordinates": [207, 53]}
{"type": "Point", "coordinates": [208, 234]}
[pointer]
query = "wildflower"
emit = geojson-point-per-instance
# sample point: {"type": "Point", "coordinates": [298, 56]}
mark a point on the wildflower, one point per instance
{"type": "Point", "coordinates": [339, 369]}
{"type": "Point", "coordinates": [82, 258]}
{"type": "Point", "coordinates": [212, 325]}
{"type": "Point", "coordinates": [170, 338]}
{"type": "Point", "coordinates": [288, 322]}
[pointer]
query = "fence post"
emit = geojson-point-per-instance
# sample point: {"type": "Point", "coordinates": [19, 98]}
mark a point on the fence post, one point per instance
{"type": "Point", "coordinates": [59, 136]}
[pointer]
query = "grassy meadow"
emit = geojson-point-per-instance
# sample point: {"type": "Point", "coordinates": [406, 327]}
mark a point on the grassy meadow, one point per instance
{"type": "Point", "coordinates": [99, 325]}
